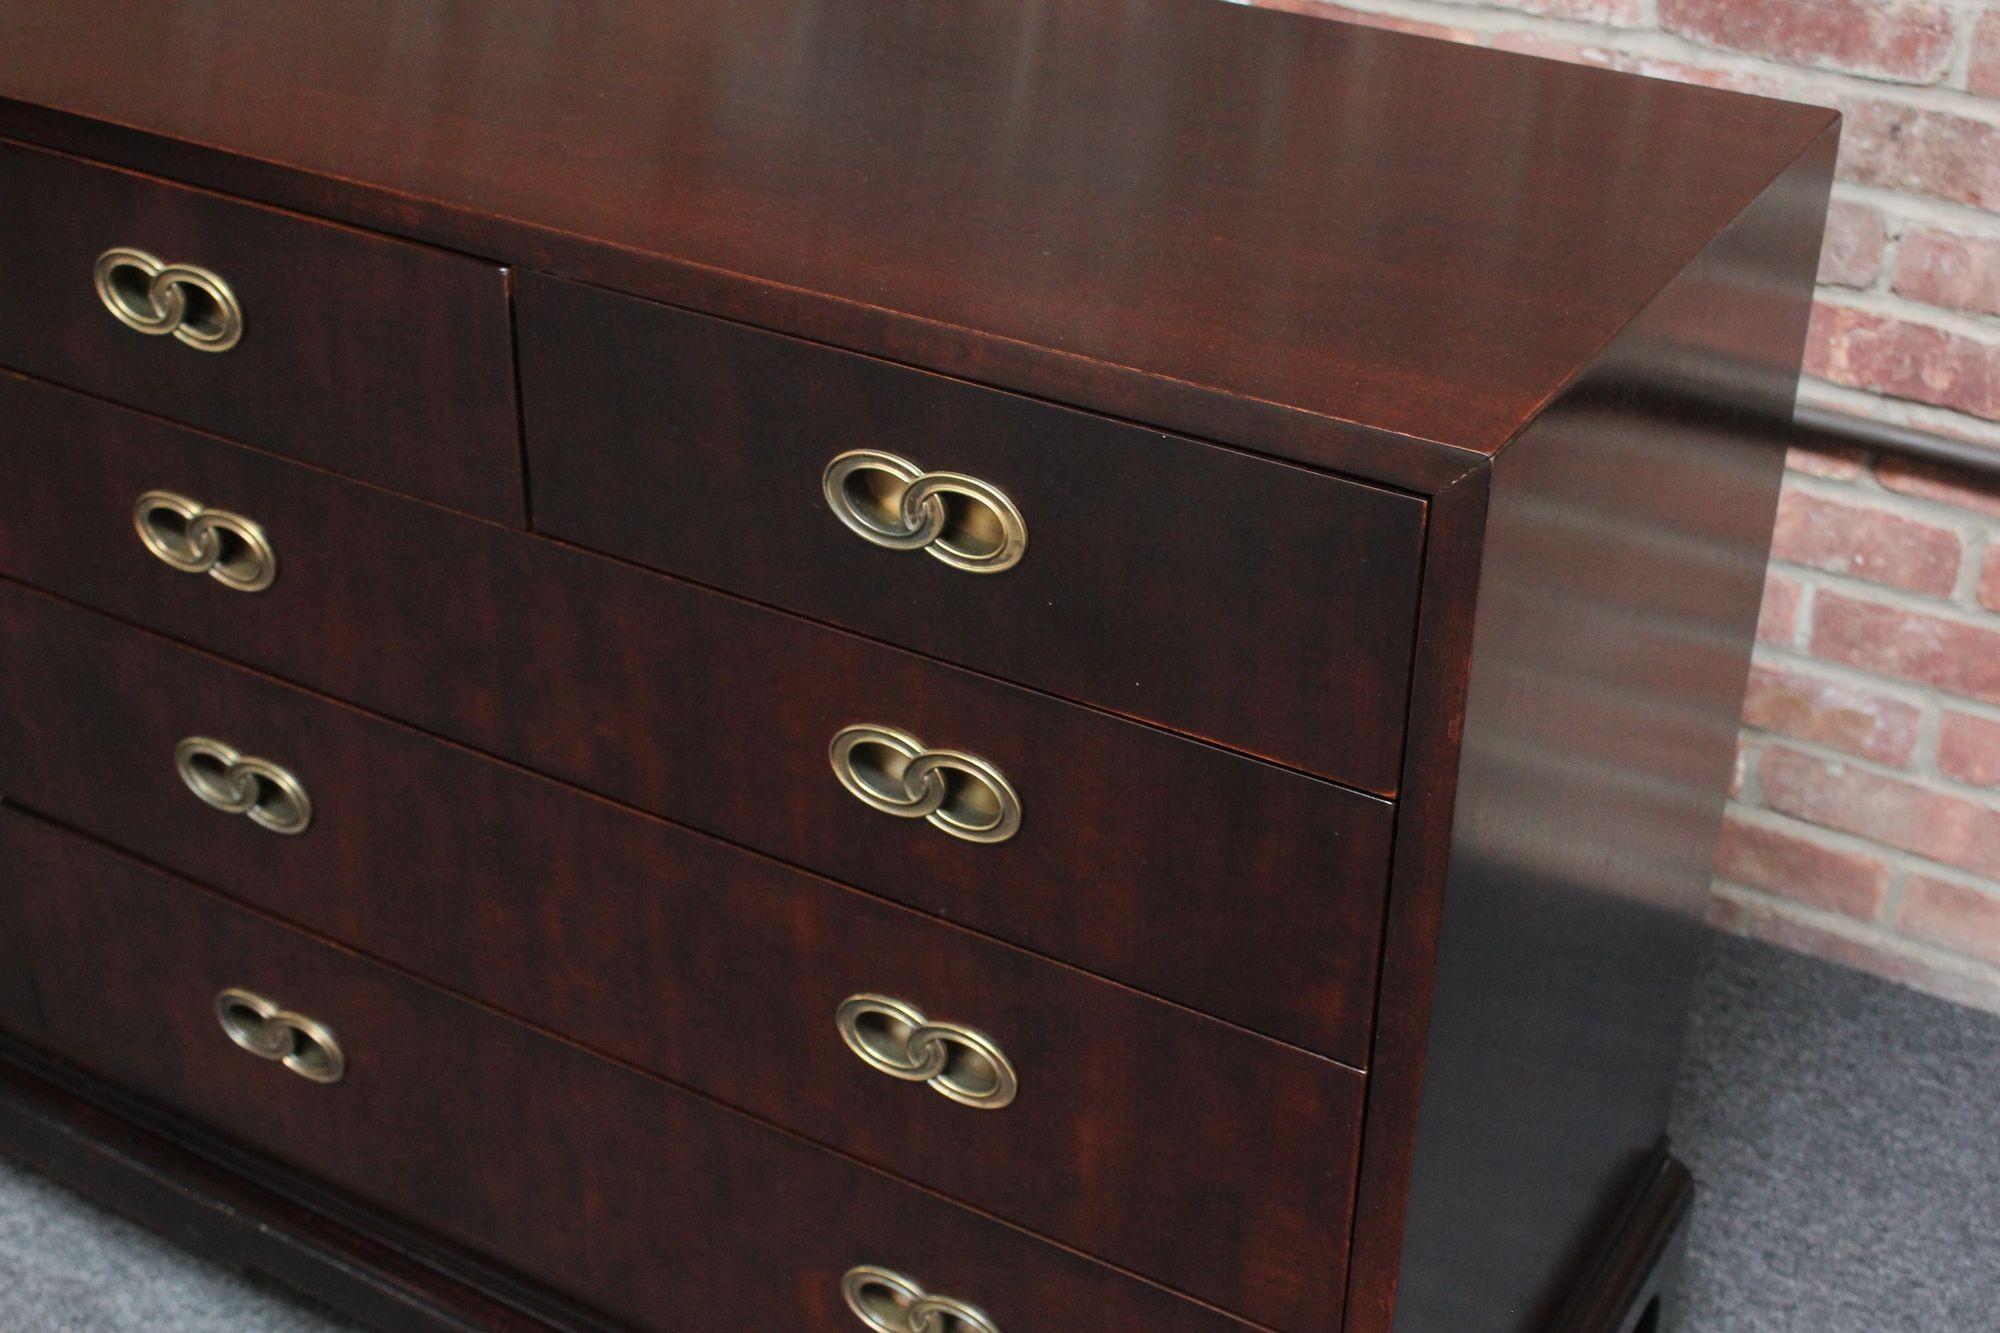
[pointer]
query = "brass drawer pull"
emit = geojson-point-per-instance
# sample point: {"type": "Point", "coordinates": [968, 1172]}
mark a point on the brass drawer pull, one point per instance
{"type": "Point", "coordinates": [894, 1038]}
{"type": "Point", "coordinates": [194, 305]}
{"type": "Point", "coordinates": [891, 771]}
{"type": "Point", "coordinates": [240, 784]}
{"type": "Point", "coordinates": [268, 1032]}
{"type": "Point", "coordinates": [890, 1303]}
{"type": "Point", "coordinates": [229, 548]}
{"type": "Point", "coordinates": [963, 521]}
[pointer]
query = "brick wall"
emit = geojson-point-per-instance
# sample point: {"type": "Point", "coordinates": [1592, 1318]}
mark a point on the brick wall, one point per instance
{"type": "Point", "coordinates": [1865, 823]}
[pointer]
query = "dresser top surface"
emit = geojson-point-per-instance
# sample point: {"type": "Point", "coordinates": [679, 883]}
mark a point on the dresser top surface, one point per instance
{"type": "Point", "coordinates": [1115, 202]}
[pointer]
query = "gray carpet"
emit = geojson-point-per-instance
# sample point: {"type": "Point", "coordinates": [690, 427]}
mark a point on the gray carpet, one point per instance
{"type": "Point", "coordinates": [69, 1267]}
{"type": "Point", "coordinates": [1846, 1134]}
{"type": "Point", "coordinates": [1844, 1130]}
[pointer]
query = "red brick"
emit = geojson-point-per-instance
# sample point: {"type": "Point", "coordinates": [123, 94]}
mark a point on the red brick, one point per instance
{"type": "Point", "coordinates": [1733, 79]}
{"type": "Point", "coordinates": [1891, 811]}
{"type": "Point", "coordinates": [1957, 916]}
{"type": "Point", "coordinates": [1551, 48]}
{"type": "Point", "coordinates": [1989, 581]}
{"type": "Point", "coordinates": [1969, 749]}
{"type": "Point", "coordinates": [1903, 359]}
{"type": "Point", "coordinates": [1616, 13]}
{"type": "Point", "coordinates": [1783, 863]}
{"type": "Point", "coordinates": [1934, 153]}
{"type": "Point", "coordinates": [1983, 75]}
{"type": "Point", "coordinates": [1831, 937]}
{"type": "Point", "coordinates": [1831, 713]}
{"type": "Point", "coordinates": [1960, 490]}
{"type": "Point", "coordinates": [1778, 617]}
{"type": "Point", "coordinates": [1949, 655]}
{"type": "Point", "coordinates": [1893, 39]}
{"type": "Point", "coordinates": [1392, 22]}
{"type": "Point", "coordinates": [1852, 253]}
{"type": "Point", "coordinates": [1865, 542]}
{"type": "Point", "coordinates": [1836, 465]}
{"type": "Point", "coordinates": [1949, 269]}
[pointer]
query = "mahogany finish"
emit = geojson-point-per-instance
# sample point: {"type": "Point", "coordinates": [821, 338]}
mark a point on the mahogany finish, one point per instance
{"type": "Point", "coordinates": [573, 914]}
{"type": "Point", "coordinates": [1251, 226]}
{"type": "Point", "coordinates": [1264, 910]}
{"type": "Point", "coordinates": [500, 1139]}
{"type": "Point", "coordinates": [1163, 577]}
{"type": "Point", "coordinates": [1550, 885]}
{"type": "Point", "coordinates": [249, 1215]}
{"type": "Point", "coordinates": [378, 359]}
{"type": "Point", "coordinates": [20, 1006]}
{"type": "Point", "coordinates": [1397, 426]}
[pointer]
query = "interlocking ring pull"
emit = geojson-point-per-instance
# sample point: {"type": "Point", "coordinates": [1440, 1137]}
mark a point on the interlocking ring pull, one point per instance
{"type": "Point", "coordinates": [891, 771]}
{"type": "Point", "coordinates": [963, 521]}
{"type": "Point", "coordinates": [229, 548]}
{"type": "Point", "coordinates": [894, 1038]}
{"type": "Point", "coordinates": [240, 784]}
{"type": "Point", "coordinates": [888, 1302]}
{"type": "Point", "coordinates": [194, 305]}
{"type": "Point", "coordinates": [270, 1033]}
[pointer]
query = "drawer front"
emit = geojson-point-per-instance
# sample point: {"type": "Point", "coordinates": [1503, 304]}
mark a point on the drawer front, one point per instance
{"type": "Point", "coordinates": [20, 1004]}
{"type": "Point", "coordinates": [370, 357]}
{"type": "Point", "coordinates": [709, 965]}
{"type": "Point", "coordinates": [1241, 889]}
{"type": "Point", "coordinates": [655, 1205]}
{"type": "Point", "coordinates": [1260, 605]}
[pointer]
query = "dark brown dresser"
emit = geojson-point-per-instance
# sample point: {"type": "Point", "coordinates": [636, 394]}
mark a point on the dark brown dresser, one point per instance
{"type": "Point", "coordinates": [977, 667]}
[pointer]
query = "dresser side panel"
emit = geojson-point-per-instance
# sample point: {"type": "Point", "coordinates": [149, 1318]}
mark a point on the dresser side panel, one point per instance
{"type": "Point", "coordinates": [1621, 573]}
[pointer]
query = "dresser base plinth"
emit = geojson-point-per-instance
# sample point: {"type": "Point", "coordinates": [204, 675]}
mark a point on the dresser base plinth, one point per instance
{"type": "Point", "coordinates": [1630, 1282]}
{"type": "Point", "coordinates": [85, 1136]}
{"type": "Point", "coordinates": [240, 1213]}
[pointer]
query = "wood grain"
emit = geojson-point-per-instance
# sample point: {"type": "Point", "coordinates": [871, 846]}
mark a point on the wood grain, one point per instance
{"type": "Point", "coordinates": [1559, 309]}
{"type": "Point", "coordinates": [1348, 247]}
{"type": "Point", "coordinates": [375, 358]}
{"type": "Point", "coordinates": [1538, 979]}
{"type": "Point", "coordinates": [1263, 606]}
{"type": "Point", "coordinates": [662, 1207]}
{"type": "Point", "coordinates": [708, 965]}
{"type": "Point", "coordinates": [167, 1175]}
{"type": "Point", "coordinates": [1238, 888]}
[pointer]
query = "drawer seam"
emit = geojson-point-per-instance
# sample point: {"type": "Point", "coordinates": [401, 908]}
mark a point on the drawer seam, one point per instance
{"type": "Point", "coordinates": [591, 553]}
{"type": "Point", "coordinates": [639, 812]}
{"type": "Point", "coordinates": [371, 960]}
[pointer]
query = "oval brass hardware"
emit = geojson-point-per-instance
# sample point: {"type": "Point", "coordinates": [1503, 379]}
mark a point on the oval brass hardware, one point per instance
{"type": "Point", "coordinates": [891, 771]}
{"type": "Point", "coordinates": [965, 522]}
{"type": "Point", "coordinates": [240, 784]}
{"type": "Point", "coordinates": [260, 1027]}
{"type": "Point", "coordinates": [894, 1038]}
{"type": "Point", "coordinates": [888, 1302]}
{"type": "Point", "coordinates": [194, 305]}
{"type": "Point", "coordinates": [229, 548]}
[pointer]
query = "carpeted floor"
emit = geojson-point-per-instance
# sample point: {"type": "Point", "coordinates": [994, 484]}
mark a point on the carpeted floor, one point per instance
{"type": "Point", "coordinates": [1844, 1130]}
{"type": "Point", "coordinates": [1846, 1134]}
{"type": "Point", "coordinates": [68, 1267]}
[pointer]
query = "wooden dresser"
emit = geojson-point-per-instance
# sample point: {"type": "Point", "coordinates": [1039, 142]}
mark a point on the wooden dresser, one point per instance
{"type": "Point", "coordinates": [980, 667]}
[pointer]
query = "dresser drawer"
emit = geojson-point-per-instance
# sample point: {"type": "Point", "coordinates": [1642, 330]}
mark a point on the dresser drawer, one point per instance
{"type": "Point", "coordinates": [20, 1005]}
{"type": "Point", "coordinates": [371, 357]}
{"type": "Point", "coordinates": [1253, 603]}
{"type": "Point", "coordinates": [709, 965]}
{"type": "Point", "coordinates": [651, 1203]}
{"type": "Point", "coordinates": [1238, 888]}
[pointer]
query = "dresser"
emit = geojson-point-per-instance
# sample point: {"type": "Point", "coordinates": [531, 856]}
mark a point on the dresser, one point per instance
{"type": "Point", "coordinates": [839, 665]}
